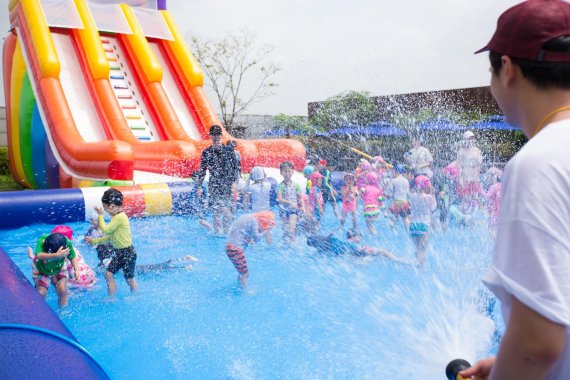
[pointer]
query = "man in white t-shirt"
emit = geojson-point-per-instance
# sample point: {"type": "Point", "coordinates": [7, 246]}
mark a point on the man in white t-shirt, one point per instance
{"type": "Point", "coordinates": [530, 80]}
{"type": "Point", "coordinates": [419, 158]}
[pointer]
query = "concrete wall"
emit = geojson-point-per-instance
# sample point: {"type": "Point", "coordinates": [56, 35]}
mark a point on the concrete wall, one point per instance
{"type": "Point", "coordinates": [3, 135]}
{"type": "Point", "coordinates": [252, 126]}
{"type": "Point", "coordinates": [458, 100]}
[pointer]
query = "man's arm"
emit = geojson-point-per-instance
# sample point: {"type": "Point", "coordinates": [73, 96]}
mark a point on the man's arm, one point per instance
{"type": "Point", "coordinates": [203, 167]}
{"type": "Point", "coordinates": [229, 164]}
{"type": "Point", "coordinates": [530, 347]}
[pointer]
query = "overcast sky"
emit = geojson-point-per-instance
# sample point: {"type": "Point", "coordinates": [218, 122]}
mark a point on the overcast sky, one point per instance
{"type": "Point", "coordinates": [326, 47]}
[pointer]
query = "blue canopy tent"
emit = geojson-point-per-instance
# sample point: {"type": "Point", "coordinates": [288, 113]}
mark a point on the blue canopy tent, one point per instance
{"type": "Point", "coordinates": [496, 122]}
{"type": "Point", "coordinates": [372, 129]}
{"type": "Point", "coordinates": [281, 132]}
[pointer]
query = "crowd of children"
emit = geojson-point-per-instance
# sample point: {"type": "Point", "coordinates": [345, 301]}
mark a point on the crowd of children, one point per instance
{"type": "Point", "coordinates": [419, 201]}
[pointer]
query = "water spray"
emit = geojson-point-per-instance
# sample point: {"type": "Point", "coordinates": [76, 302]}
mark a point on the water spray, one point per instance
{"type": "Point", "coordinates": [454, 367]}
{"type": "Point", "coordinates": [363, 154]}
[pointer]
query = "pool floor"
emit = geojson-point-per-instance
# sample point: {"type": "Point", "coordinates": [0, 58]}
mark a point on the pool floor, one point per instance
{"type": "Point", "coordinates": [302, 316]}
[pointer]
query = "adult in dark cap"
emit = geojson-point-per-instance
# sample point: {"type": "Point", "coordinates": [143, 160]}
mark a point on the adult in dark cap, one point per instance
{"type": "Point", "coordinates": [530, 80]}
{"type": "Point", "coordinates": [220, 160]}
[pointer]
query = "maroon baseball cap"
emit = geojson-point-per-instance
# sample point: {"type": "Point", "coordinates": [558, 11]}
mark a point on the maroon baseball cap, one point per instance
{"type": "Point", "coordinates": [523, 30]}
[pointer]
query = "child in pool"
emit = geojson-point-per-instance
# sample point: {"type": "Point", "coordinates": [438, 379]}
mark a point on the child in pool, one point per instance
{"type": "Point", "coordinates": [307, 172]}
{"type": "Point", "coordinates": [350, 195]}
{"type": "Point", "coordinates": [372, 196]}
{"type": "Point", "coordinates": [248, 228]}
{"type": "Point", "coordinates": [104, 250]}
{"type": "Point", "coordinates": [422, 204]}
{"type": "Point", "coordinates": [330, 245]}
{"type": "Point", "coordinates": [353, 237]}
{"type": "Point", "coordinates": [363, 168]}
{"type": "Point", "coordinates": [118, 231]}
{"type": "Point", "coordinates": [398, 189]}
{"type": "Point", "coordinates": [48, 264]}
{"type": "Point", "coordinates": [328, 191]}
{"type": "Point", "coordinates": [493, 197]}
{"type": "Point", "coordinates": [290, 200]}
{"type": "Point", "coordinates": [257, 191]}
{"type": "Point", "coordinates": [166, 265]}
{"type": "Point", "coordinates": [84, 276]}
{"type": "Point", "coordinates": [315, 203]}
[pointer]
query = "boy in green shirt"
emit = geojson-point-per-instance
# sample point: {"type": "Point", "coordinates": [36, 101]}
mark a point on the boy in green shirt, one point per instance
{"type": "Point", "coordinates": [49, 264]}
{"type": "Point", "coordinates": [118, 232]}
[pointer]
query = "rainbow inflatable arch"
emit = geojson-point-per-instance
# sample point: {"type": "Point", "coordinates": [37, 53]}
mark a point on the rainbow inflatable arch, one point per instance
{"type": "Point", "coordinates": [106, 94]}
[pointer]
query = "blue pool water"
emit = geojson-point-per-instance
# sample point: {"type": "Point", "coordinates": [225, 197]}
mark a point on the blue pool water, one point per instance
{"type": "Point", "coordinates": [303, 316]}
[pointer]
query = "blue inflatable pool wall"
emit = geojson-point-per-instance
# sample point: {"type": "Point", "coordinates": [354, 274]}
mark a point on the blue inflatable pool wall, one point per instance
{"type": "Point", "coordinates": [35, 343]}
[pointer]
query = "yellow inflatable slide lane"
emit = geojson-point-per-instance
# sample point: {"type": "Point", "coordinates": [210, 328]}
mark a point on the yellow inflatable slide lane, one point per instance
{"type": "Point", "coordinates": [109, 94]}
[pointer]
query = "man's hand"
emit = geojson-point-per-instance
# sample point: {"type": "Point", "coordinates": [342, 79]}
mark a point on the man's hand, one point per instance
{"type": "Point", "coordinates": [480, 371]}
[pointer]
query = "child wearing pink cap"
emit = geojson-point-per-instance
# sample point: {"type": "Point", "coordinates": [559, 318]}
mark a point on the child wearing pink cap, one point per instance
{"type": "Point", "coordinates": [48, 263]}
{"type": "Point", "coordinates": [81, 274]}
{"type": "Point", "coordinates": [373, 200]}
{"type": "Point", "coordinates": [363, 168]}
{"type": "Point", "coordinates": [422, 204]}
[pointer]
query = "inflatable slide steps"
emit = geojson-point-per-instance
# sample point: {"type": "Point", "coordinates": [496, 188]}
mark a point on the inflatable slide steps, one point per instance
{"type": "Point", "coordinates": [120, 79]}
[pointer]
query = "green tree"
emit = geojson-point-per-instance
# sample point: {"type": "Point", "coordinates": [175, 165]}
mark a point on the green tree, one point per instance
{"type": "Point", "coordinates": [229, 64]}
{"type": "Point", "coordinates": [352, 107]}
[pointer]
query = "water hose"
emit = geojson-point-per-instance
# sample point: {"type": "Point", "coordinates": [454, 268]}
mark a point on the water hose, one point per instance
{"type": "Point", "coordinates": [454, 367]}
{"type": "Point", "coordinates": [61, 338]}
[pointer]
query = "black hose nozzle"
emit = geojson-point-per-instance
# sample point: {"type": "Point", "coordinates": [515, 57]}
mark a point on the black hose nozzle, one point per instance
{"type": "Point", "coordinates": [454, 367]}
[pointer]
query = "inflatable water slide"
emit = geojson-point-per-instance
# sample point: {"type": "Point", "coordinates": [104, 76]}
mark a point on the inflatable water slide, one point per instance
{"type": "Point", "coordinates": [103, 92]}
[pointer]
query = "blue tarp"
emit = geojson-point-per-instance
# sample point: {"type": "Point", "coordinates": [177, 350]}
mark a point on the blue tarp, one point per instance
{"type": "Point", "coordinates": [496, 122]}
{"type": "Point", "coordinates": [280, 132]}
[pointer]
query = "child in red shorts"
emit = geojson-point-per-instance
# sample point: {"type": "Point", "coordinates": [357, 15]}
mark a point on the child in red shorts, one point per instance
{"type": "Point", "coordinates": [247, 229]}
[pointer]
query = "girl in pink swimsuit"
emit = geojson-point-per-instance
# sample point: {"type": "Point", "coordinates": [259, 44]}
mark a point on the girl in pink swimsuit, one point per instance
{"type": "Point", "coordinates": [350, 194]}
{"type": "Point", "coordinates": [373, 197]}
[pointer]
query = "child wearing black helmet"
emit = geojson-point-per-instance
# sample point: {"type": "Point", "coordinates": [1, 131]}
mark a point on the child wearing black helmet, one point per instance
{"type": "Point", "coordinates": [118, 232]}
